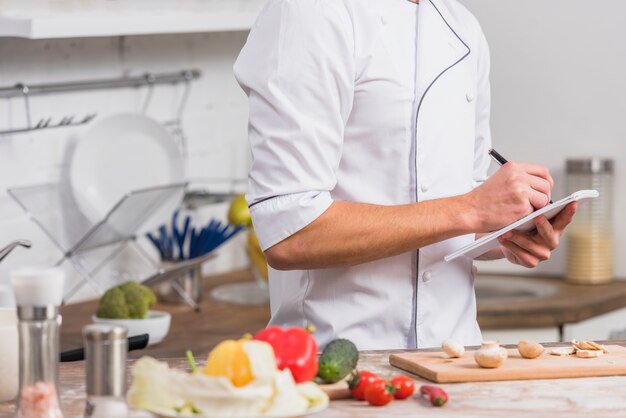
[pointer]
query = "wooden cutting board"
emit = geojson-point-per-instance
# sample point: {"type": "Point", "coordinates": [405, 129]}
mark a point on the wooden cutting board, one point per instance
{"type": "Point", "coordinates": [337, 390]}
{"type": "Point", "coordinates": [436, 368]}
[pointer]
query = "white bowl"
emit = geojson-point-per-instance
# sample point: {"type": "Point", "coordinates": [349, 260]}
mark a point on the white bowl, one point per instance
{"type": "Point", "coordinates": [9, 360]}
{"type": "Point", "coordinates": [157, 325]}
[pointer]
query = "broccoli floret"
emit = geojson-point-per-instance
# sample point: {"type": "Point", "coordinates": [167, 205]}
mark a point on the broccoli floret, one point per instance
{"type": "Point", "coordinates": [149, 295]}
{"type": "Point", "coordinates": [113, 305]}
{"type": "Point", "coordinates": [129, 300]}
{"type": "Point", "coordinates": [137, 303]}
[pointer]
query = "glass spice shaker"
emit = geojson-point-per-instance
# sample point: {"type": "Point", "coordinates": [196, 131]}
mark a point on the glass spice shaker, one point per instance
{"type": "Point", "coordinates": [38, 295]}
{"type": "Point", "coordinates": [590, 235]}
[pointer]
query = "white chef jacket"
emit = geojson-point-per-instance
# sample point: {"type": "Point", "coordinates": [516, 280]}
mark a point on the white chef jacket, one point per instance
{"type": "Point", "coordinates": [351, 100]}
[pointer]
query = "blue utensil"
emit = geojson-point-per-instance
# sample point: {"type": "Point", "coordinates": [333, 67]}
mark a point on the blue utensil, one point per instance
{"type": "Point", "coordinates": [217, 237]}
{"type": "Point", "coordinates": [156, 243]}
{"type": "Point", "coordinates": [166, 243]}
{"type": "Point", "coordinates": [180, 236]}
{"type": "Point", "coordinates": [193, 239]}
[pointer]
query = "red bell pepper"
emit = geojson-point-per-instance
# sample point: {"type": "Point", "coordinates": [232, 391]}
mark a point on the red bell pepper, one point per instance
{"type": "Point", "coordinates": [294, 348]}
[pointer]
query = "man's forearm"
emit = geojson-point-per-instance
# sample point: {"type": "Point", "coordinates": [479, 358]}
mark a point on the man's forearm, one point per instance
{"type": "Point", "coordinates": [354, 233]}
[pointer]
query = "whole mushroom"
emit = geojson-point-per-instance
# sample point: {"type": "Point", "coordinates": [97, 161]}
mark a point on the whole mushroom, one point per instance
{"type": "Point", "coordinates": [529, 349]}
{"type": "Point", "coordinates": [453, 348]}
{"type": "Point", "coordinates": [490, 355]}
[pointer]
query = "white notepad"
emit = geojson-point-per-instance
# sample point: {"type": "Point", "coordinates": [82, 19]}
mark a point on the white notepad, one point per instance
{"type": "Point", "coordinates": [489, 241]}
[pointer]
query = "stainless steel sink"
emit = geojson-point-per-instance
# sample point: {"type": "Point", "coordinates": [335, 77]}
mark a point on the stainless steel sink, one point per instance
{"type": "Point", "coordinates": [493, 289]}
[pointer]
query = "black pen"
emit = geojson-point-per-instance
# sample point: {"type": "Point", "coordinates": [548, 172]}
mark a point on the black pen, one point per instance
{"type": "Point", "coordinates": [497, 157]}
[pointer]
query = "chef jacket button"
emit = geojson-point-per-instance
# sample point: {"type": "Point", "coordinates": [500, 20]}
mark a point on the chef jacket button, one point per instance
{"type": "Point", "coordinates": [470, 96]}
{"type": "Point", "coordinates": [427, 276]}
{"type": "Point", "coordinates": [424, 187]}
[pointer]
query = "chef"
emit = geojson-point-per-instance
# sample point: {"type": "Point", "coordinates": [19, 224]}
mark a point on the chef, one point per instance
{"type": "Point", "coordinates": [369, 131]}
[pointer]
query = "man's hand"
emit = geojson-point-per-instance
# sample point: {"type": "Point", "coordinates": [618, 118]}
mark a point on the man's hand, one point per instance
{"type": "Point", "coordinates": [529, 249]}
{"type": "Point", "coordinates": [511, 193]}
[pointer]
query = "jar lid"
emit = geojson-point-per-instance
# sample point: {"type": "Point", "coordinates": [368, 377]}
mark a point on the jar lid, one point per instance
{"type": "Point", "coordinates": [593, 165]}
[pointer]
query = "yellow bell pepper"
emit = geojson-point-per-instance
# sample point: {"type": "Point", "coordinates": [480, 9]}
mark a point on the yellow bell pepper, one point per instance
{"type": "Point", "coordinates": [229, 359]}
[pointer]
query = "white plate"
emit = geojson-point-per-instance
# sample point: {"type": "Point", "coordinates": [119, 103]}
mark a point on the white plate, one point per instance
{"type": "Point", "coordinates": [307, 413]}
{"type": "Point", "coordinates": [119, 154]}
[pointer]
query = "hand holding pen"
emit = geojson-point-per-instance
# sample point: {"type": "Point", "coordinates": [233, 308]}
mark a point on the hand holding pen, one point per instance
{"type": "Point", "coordinates": [497, 157]}
{"type": "Point", "coordinates": [511, 193]}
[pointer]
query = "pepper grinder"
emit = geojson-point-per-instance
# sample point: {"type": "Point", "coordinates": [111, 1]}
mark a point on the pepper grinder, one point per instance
{"type": "Point", "coordinates": [38, 295]}
{"type": "Point", "coordinates": [105, 353]}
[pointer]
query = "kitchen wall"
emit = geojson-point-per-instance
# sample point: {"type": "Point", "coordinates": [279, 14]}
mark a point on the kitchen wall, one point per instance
{"type": "Point", "coordinates": [214, 120]}
{"type": "Point", "coordinates": [559, 91]}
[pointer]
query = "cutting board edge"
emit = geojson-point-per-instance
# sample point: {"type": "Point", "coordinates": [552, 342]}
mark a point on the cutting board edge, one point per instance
{"type": "Point", "coordinates": [538, 377]}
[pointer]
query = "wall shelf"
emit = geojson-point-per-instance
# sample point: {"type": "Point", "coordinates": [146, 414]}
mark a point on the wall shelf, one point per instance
{"type": "Point", "coordinates": [116, 19]}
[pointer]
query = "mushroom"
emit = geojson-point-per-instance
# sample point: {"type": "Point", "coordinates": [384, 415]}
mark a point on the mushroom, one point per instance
{"type": "Point", "coordinates": [490, 355]}
{"type": "Point", "coordinates": [563, 351]}
{"type": "Point", "coordinates": [589, 353]}
{"type": "Point", "coordinates": [529, 349]}
{"type": "Point", "coordinates": [453, 348]}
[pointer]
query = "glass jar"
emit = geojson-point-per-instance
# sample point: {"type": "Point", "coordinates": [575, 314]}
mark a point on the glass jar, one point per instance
{"type": "Point", "coordinates": [590, 235]}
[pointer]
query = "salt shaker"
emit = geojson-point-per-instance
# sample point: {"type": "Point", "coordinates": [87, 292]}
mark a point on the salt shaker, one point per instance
{"type": "Point", "coordinates": [105, 353]}
{"type": "Point", "coordinates": [38, 295]}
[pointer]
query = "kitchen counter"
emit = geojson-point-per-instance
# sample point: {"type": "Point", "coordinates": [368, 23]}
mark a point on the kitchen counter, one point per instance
{"type": "Point", "coordinates": [200, 331]}
{"type": "Point", "coordinates": [563, 303]}
{"type": "Point", "coordinates": [600, 397]}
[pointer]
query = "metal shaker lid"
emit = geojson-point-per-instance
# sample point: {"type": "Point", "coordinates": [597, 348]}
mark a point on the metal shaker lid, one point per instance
{"type": "Point", "coordinates": [593, 165]}
{"type": "Point", "coordinates": [106, 347]}
{"type": "Point", "coordinates": [104, 332]}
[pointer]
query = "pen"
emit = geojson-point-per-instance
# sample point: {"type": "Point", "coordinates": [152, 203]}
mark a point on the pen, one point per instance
{"type": "Point", "coordinates": [497, 157]}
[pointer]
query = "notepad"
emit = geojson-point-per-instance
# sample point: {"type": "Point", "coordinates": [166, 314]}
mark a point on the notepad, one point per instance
{"type": "Point", "coordinates": [526, 224]}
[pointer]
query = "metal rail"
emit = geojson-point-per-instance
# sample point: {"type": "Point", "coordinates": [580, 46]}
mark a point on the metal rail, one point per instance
{"type": "Point", "coordinates": [148, 79]}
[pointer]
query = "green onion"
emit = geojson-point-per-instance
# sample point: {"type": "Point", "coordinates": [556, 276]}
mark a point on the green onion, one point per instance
{"type": "Point", "coordinates": [191, 360]}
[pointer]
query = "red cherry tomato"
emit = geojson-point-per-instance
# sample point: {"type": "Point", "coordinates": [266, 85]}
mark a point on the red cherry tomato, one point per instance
{"type": "Point", "coordinates": [379, 393]}
{"type": "Point", "coordinates": [404, 386]}
{"type": "Point", "coordinates": [359, 381]}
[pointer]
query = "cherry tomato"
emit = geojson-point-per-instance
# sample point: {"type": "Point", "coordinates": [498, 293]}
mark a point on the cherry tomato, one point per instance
{"type": "Point", "coordinates": [359, 381]}
{"type": "Point", "coordinates": [379, 393]}
{"type": "Point", "coordinates": [404, 386]}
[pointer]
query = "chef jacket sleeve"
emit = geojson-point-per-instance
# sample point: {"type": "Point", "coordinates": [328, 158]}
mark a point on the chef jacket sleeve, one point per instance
{"type": "Point", "coordinates": [483, 109]}
{"type": "Point", "coordinates": [297, 68]}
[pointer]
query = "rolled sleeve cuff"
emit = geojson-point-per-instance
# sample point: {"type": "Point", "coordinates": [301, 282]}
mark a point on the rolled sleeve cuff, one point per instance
{"type": "Point", "coordinates": [280, 217]}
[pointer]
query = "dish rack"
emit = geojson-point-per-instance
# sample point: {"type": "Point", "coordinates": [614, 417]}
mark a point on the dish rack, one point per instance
{"type": "Point", "coordinates": [92, 248]}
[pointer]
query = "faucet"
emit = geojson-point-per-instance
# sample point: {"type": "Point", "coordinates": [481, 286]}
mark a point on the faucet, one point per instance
{"type": "Point", "coordinates": [6, 250]}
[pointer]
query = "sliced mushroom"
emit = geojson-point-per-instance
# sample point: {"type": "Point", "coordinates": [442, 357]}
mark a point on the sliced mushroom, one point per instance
{"type": "Point", "coordinates": [589, 353]}
{"type": "Point", "coordinates": [562, 351]}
